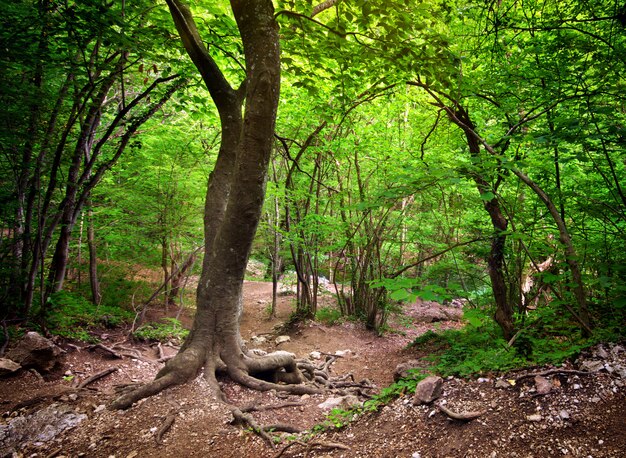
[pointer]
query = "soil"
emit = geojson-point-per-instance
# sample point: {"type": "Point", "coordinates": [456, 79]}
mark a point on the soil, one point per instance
{"type": "Point", "coordinates": [583, 415]}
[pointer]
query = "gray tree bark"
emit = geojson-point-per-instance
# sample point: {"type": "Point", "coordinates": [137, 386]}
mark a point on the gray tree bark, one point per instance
{"type": "Point", "coordinates": [232, 210]}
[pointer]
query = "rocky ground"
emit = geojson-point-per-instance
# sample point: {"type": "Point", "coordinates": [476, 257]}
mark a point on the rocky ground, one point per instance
{"type": "Point", "coordinates": [578, 410]}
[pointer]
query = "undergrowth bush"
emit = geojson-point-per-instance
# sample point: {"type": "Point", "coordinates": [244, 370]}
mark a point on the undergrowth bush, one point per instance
{"type": "Point", "coordinates": [328, 315]}
{"type": "Point", "coordinates": [72, 316]}
{"type": "Point", "coordinates": [167, 329]}
{"type": "Point", "coordinates": [548, 336]}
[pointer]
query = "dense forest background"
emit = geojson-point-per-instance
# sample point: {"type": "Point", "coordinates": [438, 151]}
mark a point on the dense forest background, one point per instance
{"type": "Point", "coordinates": [438, 150]}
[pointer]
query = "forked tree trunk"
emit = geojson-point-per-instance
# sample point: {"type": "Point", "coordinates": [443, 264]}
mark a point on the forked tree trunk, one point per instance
{"type": "Point", "coordinates": [232, 210]}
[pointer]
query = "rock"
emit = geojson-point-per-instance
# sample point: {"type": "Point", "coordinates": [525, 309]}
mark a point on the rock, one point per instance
{"type": "Point", "coordinates": [620, 371]}
{"type": "Point", "coordinates": [40, 427]}
{"type": "Point", "coordinates": [592, 366]}
{"type": "Point", "coordinates": [542, 385]}
{"type": "Point", "coordinates": [99, 408]}
{"type": "Point", "coordinates": [282, 339]}
{"type": "Point", "coordinates": [617, 349]}
{"type": "Point", "coordinates": [315, 355]}
{"type": "Point", "coordinates": [601, 352]}
{"type": "Point", "coordinates": [35, 351]}
{"type": "Point", "coordinates": [343, 402]}
{"type": "Point", "coordinates": [564, 415]}
{"type": "Point", "coordinates": [534, 417]}
{"type": "Point", "coordinates": [8, 366]}
{"type": "Point", "coordinates": [428, 390]}
{"type": "Point", "coordinates": [255, 268]}
{"type": "Point", "coordinates": [258, 340]}
{"type": "Point", "coordinates": [402, 370]}
{"type": "Point", "coordinates": [343, 353]}
{"type": "Point", "coordinates": [501, 383]}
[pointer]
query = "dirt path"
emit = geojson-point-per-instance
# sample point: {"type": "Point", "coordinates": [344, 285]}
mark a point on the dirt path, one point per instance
{"type": "Point", "coordinates": [584, 416]}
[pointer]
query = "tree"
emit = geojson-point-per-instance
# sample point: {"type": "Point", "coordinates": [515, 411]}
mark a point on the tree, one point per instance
{"type": "Point", "coordinates": [85, 107]}
{"type": "Point", "coordinates": [233, 207]}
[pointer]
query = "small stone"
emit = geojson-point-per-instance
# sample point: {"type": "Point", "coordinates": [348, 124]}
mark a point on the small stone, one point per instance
{"type": "Point", "coordinates": [534, 417]}
{"type": "Point", "coordinates": [483, 380]}
{"type": "Point", "coordinates": [68, 373]}
{"type": "Point", "coordinates": [282, 339]}
{"type": "Point", "coordinates": [404, 370]}
{"type": "Point", "coordinates": [305, 397]}
{"type": "Point", "coordinates": [258, 340]}
{"type": "Point", "coordinates": [595, 399]}
{"type": "Point", "coordinates": [343, 353]}
{"type": "Point", "coordinates": [501, 383]}
{"type": "Point", "coordinates": [592, 366]}
{"type": "Point", "coordinates": [564, 415]}
{"type": "Point", "coordinates": [315, 355]}
{"type": "Point", "coordinates": [542, 385]}
{"type": "Point", "coordinates": [602, 353]}
{"type": "Point", "coordinates": [100, 408]}
{"type": "Point", "coordinates": [576, 386]}
{"type": "Point", "coordinates": [428, 390]}
{"type": "Point", "coordinates": [416, 455]}
{"type": "Point", "coordinates": [8, 366]}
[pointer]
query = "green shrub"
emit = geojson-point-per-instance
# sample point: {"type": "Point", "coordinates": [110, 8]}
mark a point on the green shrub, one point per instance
{"type": "Point", "coordinates": [548, 336]}
{"type": "Point", "coordinates": [72, 316]}
{"type": "Point", "coordinates": [167, 329]}
{"type": "Point", "coordinates": [328, 315]}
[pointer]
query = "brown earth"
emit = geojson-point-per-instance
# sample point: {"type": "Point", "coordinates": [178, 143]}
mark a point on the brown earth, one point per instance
{"type": "Point", "coordinates": [583, 415]}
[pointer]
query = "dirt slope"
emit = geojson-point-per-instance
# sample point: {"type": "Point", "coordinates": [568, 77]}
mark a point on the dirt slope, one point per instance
{"type": "Point", "coordinates": [583, 416]}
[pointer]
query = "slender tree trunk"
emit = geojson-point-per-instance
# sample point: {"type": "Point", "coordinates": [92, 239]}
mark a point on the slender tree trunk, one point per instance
{"type": "Point", "coordinates": [571, 258]}
{"type": "Point", "coordinates": [235, 195]}
{"type": "Point", "coordinates": [495, 262]}
{"type": "Point", "coordinates": [94, 282]}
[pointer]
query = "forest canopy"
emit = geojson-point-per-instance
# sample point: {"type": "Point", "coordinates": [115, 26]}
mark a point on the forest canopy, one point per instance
{"type": "Point", "coordinates": [440, 150]}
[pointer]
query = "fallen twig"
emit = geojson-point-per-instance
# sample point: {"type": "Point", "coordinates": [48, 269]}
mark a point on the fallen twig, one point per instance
{"type": "Point", "coordinates": [552, 372]}
{"type": "Point", "coordinates": [54, 453]}
{"type": "Point", "coordinates": [255, 408]}
{"type": "Point", "coordinates": [97, 376]}
{"type": "Point", "coordinates": [107, 349]}
{"type": "Point", "coordinates": [310, 446]}
{"type": "Point", "coordinates": [461, 416]}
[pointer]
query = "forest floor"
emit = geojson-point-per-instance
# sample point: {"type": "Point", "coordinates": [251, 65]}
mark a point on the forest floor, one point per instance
{"type": "Point", "coordinates": [582, 416]}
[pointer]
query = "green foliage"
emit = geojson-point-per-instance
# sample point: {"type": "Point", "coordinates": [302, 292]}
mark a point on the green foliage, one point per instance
{"type": "Point", "coordinates": [548, 337]}
{"type": "Point", "coordinates": [167, 329]}
{"type": "Point", "coordinates": [328, 315]}
{"type": "Point", "coordinates": [71, 316]}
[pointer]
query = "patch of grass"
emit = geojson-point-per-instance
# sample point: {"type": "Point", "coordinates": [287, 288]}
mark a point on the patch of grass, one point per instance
{"type": "Point", "coordinates": [328, 315]}
{"type": "Point", "coordinates": [72, 316]}
{"type": "Point", "coordinates": [166, 330]}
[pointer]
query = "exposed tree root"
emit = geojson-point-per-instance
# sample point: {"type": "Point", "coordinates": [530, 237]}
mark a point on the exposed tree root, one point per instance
{"type": "Point", "coordinates": [552, 372]}
{"type": "Point", "coordinates": [165, 427]}
{"type": "Point", "coordinates": [309, 446]}
{"type": "Point", "coordinates": [461, 416]}
{"type": "Point", "coordinates": [278, 371]}
{"type": "Point", "coordinates": [97, 376]}
{"type": "Point", "coordinates": [247, 419]}
{"type": "Point", "coordinates": [254, 408]}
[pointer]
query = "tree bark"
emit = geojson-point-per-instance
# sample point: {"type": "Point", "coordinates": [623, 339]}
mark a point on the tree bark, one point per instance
{"type": "Point", "coordinates": [232, 209]}
{"type": "Point", "coordinates": [571, 258]}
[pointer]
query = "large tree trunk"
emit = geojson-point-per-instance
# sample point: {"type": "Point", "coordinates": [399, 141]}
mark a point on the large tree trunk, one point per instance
{"type": "Point", "coordinates": [232, 211]}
